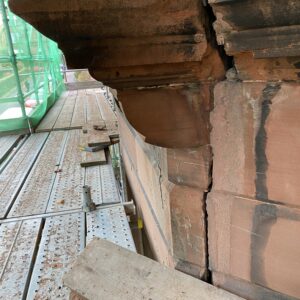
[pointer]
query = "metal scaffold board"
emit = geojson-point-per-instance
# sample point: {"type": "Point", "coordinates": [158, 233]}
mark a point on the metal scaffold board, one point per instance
{"type": "Point", "coordinates": [110, 224]}
{"type": "Point", "coordinates": [6, 145]}
{"type": "Point", "coordinates": [79, 115]}
{"type": "Point", "coordinates": [35, 193]}
{"type": "Point", "coordinates": [62, 240]}
{"type": "Point", "coordinates": [106, 111]}
{"type": "Point", "coordinates": [93, 111]}
{"type": "Point", "coordinates": [93, 179]}
{"type": "Point", "coordinates": [18, 244]}
{"type": "Point", "coordinates": [52, 115]}
{"type": "Point", "coordinates": [15, 173]}
{"type": "Point", "coordinates": [109, 186]}
{"type": "Point", "coordinates": [67, 189]}
{"type": "Point", "coordinates": [65, 117]}
{"type": "Point", "coordinates": [103, 189]}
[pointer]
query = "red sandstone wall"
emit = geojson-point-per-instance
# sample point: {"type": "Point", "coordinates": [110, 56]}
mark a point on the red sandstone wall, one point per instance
{"type": "Point", "coordinates": [169, 187]}
{"type": "Point", "coordinates": [165, 70]}
{"type": "Point", "coordinates": [254, 216]}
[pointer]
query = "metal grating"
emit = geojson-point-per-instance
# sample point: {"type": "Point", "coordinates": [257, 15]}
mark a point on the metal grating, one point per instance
{"type": "Point", "coordinates": [67, 189]}
{"type": "Point", "coordinates": [6, 145]}
{"type": "Point", "coordinates": [33, 198]}
{"type": "Point", "coordinates": [93, 112]}
{"type": "Point", "coordinates": [109, 187]}
{"type": "Point", "coordinates": [79, 115]}
{"type": "Point", "coordinates": [65, 117]}
{"type": "Point", "coordinates": [63, 239]}
{"type": "Point", "coordinates": [102, 181]}
{"type": "Point", "coordinates": [110, 224]}
{"type": "Point", "coordinates": [13, 176]}
{"type": "Point", "coordinates": [18, 242]}
{"type": "Point", "coordinates": [93, 179]}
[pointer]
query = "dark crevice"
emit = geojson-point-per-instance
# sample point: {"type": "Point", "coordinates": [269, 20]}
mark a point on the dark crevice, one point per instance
{"type": "Point", "coordinates": [208, 274]}
{"type": "Point", "coordinates": [228, 64]}
{"type": "Point", "coordinates": [212, 37]}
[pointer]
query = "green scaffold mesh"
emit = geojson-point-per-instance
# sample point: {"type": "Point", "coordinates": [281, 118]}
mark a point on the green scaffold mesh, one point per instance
{"type": "Point", "coordinates": [30, 73]}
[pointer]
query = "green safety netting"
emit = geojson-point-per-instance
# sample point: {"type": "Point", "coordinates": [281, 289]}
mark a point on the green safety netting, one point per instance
{"type": "Point", "coordinates": [30, 73]}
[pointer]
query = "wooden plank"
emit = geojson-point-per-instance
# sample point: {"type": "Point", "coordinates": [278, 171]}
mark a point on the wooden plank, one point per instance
{"type": "Point", "coordinates": [7, 143]}
{"type": "Point", "coordinates": [65, 117]}
{"type": "Point", "coordinates": [18, 243]}
{"type": "Point", "coordinates": [107, 271]}
{"type": "Point", "coordinates": [93, 111]}
{"type": "Point", "coordinates": [15, 173]}
{"type": "Point", "coordinates": [79, 115]}
{"type": "Point", "coordinates": [52, 115]}
{"type": "Point", "coordinates": [35, 193]}
{"type": "Point", "coordinates": [90, 159]}
{"type": "Point", "coordinates": [96, 137]}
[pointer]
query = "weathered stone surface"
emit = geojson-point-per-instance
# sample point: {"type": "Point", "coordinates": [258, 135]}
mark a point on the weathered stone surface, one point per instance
{"type": "Point", "coordinates": [170, 116]}
{"type": "Point", "coordinates": [190, 166]}
{"type": "Point", "coordinates": [173, 212]}
{"type": "Point", "coordinates": [275, 69]}
{"type": "Point", "coordinates": [256, 141]}
{"type": "Point", "coordinates": [267, 28]}
{"type": "Point", "coordinates": [126, 41]}
{"type": "Point", "coordinates": [146, 172]}
{"type": "Point", "coordinates": [188, 230]}
{"type": "Point", "coordinates": [166, 46]}
{"type": "Point", "coordinates": [246, 289]}
{"type": "Point", "coordinates": [255, 241]}
{"type": "Point", "coordinates": [263, 37]}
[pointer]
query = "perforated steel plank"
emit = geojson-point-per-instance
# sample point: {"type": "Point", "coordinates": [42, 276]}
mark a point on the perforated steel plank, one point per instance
{"type": "Point", "coordinates": [62, 240]}
{"type": "Point", "coordinates": [34, 196]}
{"type": "Point", "coordinates": [18, 242]}
{"type": "Point", "coordinates": [93, 111]}
{"type": "Point", "coordinates": [93, 179]}
{"type": "Point", "coordinates": [52, 115]}
{"type": "Point", "coordinates": [103, 188]}
{"type": "Point", "coordinates": [109, 187]}
{"type": "Point", "coordinates": [79, 115]}
{"type": "Point", "coordinates": [6, 145]}
{"type": "Point", "coordinates": [65, 117]}
{"type": "Point", "coordinates": [110, 224]}
{"type": "Point", "coordinates": [106, 110]}
{"type": "Point", "coordinates": [67, 189]}
{"type": "Point", "coordinates": [13, 176]}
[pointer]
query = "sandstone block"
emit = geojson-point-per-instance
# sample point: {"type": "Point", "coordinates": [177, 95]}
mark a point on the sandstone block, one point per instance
{"type": "Point", "coordinates": [255, 241]}
{"type": "Point", "coordinates": [188, 229]}
{"type": "Point", "coordinates": [256, 142]}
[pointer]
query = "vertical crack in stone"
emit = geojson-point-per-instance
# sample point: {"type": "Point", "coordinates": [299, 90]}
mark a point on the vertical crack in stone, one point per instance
{"type": "Point", "coordinates": [160, 183]}
{"type": "Point", "coordinates": [228, 64]}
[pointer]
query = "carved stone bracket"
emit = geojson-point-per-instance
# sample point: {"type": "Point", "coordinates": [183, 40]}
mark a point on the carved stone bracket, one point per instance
{"type": "Point", "coordinates": [140, 44]}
